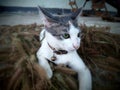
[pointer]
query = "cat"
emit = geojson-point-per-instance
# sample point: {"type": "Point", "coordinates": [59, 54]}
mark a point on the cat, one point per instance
{"type": "Point", "coordinates": [61, 38]}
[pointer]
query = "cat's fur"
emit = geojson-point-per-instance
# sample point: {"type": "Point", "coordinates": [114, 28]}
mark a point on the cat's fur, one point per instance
{"type": "Point", "coordinates": [55, 27]}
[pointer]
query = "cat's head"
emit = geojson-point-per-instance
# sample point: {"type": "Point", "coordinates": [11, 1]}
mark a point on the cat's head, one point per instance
{"type": "Point", "coordinates": [62, 31]}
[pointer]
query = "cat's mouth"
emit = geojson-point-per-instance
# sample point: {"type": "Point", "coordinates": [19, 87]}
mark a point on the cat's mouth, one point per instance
{"type": "Point", "coordinates": [71, 50]}
{"type": "Point", "coordinates": [61, 51]}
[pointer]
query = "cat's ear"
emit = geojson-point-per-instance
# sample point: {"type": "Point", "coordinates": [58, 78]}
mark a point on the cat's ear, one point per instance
{"type": "Point", "coordinates": [76, 14]}
{"type": "Point", "coordinates": [46, 17]}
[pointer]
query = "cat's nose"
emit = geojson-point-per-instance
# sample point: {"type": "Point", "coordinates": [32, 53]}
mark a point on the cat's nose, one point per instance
{"type": "Point", "coordinates": [75, 46]}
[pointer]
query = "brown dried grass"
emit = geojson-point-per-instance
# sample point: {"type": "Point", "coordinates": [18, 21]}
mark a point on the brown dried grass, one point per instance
{"type": "Point", "coordinates": [19, 69]}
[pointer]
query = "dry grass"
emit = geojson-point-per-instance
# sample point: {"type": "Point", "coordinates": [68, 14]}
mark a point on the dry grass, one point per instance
{"type": "Point", "coordinates": [19, 69]}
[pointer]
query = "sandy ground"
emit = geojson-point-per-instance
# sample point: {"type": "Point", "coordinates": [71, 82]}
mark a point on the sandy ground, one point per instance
{"type": "Point", "coordinates": [20, 18]}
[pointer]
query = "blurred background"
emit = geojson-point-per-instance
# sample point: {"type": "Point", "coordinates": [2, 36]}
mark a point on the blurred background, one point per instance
{"type": "Point", "coordinates": [99, 12]}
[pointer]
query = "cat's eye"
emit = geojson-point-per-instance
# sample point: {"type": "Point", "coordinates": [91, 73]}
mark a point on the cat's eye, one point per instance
{"type": "Point", "coordinates": [66, 36]}
{"type": "Point", "coordinates": [79, 34]}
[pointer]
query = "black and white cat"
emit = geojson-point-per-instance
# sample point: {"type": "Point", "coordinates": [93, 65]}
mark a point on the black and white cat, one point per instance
{"type": "Point", "coordinates": [61, 40]}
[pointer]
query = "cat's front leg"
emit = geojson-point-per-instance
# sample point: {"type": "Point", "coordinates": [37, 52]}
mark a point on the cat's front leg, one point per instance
{"type": "Point", "coordinates": [44, 63]}
{"type": "Point", "coordinates": [84, 75]}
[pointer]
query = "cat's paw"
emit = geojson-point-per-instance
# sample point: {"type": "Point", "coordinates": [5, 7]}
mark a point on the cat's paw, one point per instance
{"type": "Point", "coordinates": [49, 73]}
